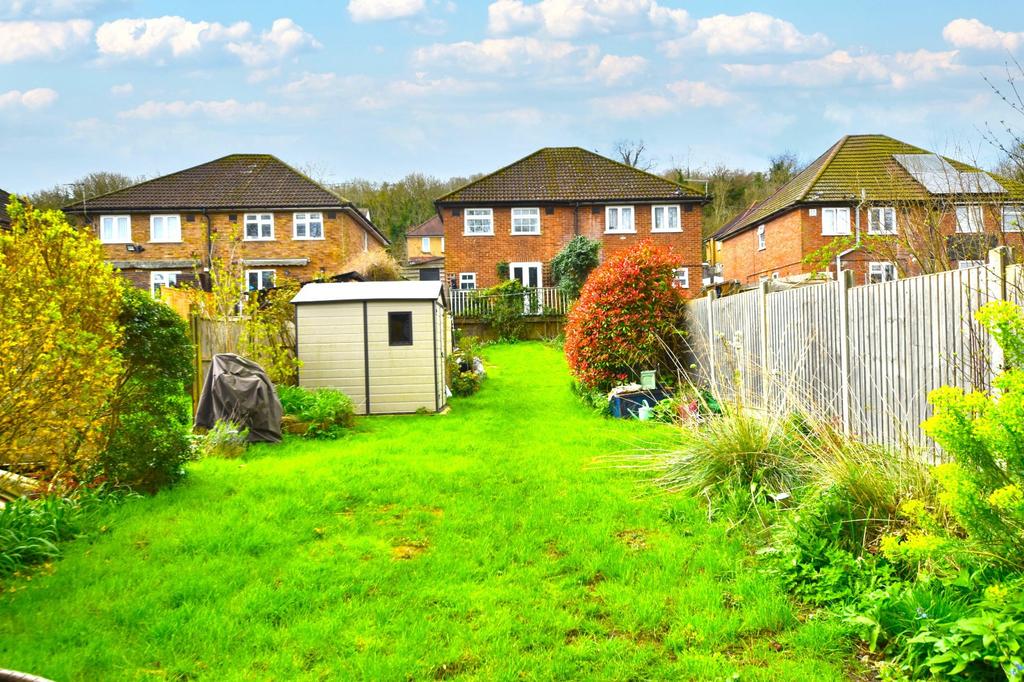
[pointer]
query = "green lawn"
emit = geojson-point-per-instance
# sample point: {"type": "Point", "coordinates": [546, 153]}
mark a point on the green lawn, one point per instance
{"type": "Point", "coordinates": [483, 544]}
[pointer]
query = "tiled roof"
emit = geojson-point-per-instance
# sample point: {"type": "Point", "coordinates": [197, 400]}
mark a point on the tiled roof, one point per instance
{"type": "Point", "coordinates": [854, 163]}
{"type": "Point", "coordinates": [559, 174]}
{"type": "Point", "coordinates": [4, 198]}
{"type": "Point", "coordinates": [431, 227]}
{"type": "Point", "coordinates": [234, 181]}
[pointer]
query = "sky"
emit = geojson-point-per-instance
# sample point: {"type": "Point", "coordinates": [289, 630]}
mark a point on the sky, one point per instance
{"type": "Point", "coordinates": [381, 88]}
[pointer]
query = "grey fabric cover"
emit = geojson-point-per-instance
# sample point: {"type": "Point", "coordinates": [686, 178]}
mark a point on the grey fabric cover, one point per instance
{"type": "Point", "coordinates": [239, 390]}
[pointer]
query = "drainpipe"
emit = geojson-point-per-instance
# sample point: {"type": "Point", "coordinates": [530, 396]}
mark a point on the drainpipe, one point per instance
{"type": "Point", "coordinates": [576, 219]}
{"type": "Point", "coordinates": [856, 244]}
{"type": "Point", "coordinates": [209, 243]}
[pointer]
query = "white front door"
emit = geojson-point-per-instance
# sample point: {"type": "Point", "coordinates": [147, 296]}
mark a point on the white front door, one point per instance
{"type": "Point", "coordinates": [530, 275]}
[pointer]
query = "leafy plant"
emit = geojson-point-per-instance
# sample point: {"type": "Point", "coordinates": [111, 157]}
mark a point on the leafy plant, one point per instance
{"type": "Point", "coordinates": [149, 427]}
{"type": "Point", "coordinates": [464, 380]}
{"type": "Point", "coordinates": [226, 439]}
{"type": "Point", "coordinates": [509, 302]}
{"type": "Point", "coordinates": [268, 334]}
{"type": "Point", "coordinates": [574, 263]}
{"type": "Point", "coordinates": [31, 529]}
{"type": "Point", "coordinates": [626, 319]}
{"type": "Point", "coordinates": [325, 412]}
{"type": "Point", "coordinates": [59, 341]}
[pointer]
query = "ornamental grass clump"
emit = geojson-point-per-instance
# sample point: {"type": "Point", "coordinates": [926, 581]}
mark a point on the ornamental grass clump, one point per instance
{"type": "Point", "coordinates": [628, 319]}
{"type": "Point", "coordinates": [316, 413]}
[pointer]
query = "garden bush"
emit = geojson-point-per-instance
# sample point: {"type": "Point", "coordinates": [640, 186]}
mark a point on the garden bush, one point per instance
{"type": "Point", "coordinates": [268, 333]}
{"type": "Point", "coordinates": [227, 440]}
{"type": "Point", "coordinates": [463, 379]}
{"type": "Point", "coordinates": [627, 319]}
{"type": "Point", "coordinates": [574, 263]}
{"type": "Point", "coordinates": [149, 425]}
{"type": "Point", "coordinates": [325, 412]}
{"type": "Point", "coordinates": [59, 342]}
{"type": "Point", "coordinates": [509, 301]}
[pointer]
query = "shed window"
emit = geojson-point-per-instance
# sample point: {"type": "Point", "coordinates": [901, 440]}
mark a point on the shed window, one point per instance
{"type": "Point", "coordinates": [400, 329]}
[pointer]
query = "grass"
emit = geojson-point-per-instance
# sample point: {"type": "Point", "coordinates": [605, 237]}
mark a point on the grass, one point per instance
{"type": "Point", "coordinates": [483, 544]}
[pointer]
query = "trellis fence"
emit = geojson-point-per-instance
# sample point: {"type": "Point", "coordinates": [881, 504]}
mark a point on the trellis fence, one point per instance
{"type": "Point", "coordinates": [864, 356]}
{"type": "Point", "coordinates": [536, 301]}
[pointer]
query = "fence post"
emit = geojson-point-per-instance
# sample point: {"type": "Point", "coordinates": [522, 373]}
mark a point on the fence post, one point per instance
{"type": "Point", "coordinates": [712, 343]}
{"type": "Point", "coordinates": [762, 321]}
{"type": "Point", "coordinates": [999, 259]}
{"type": "Point", "coordinates": [845, 284]}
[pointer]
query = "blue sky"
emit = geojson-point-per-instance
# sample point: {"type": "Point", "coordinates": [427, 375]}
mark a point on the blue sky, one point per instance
{"type": "Point", "coordinates": [380, 88]}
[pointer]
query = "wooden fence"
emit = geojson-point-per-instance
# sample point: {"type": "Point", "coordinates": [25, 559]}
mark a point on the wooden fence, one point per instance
{"type": "Point", "coordinates": [865, 356]}
{"type": "Point", "coordinates": [536, 301]}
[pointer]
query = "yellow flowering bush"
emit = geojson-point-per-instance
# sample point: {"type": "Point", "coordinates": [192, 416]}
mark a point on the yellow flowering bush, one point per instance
{"type": "Point", "coordinates": [59, 340]}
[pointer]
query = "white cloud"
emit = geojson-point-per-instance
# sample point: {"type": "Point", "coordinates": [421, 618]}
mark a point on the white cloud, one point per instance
{"type": "Point", "coordinates": [748, 33]}
{"type": "Point", "coordinates": [52, 8]}
{"type": "Point", "coordinates": [383, 10]}
{"type": "Point", "coordinates": [570, 18]}
{"type": "Point", "coordinates": [37, 98]}
{"type": "Point", "coordinates": [613, 69]}
{"type": "Point", "coordinates": [40, 39]}
{"type": "Point", "coordinates": [122, 89]}
{"type": "Point", "coordinates": [678, 95]}
{"type": "Point", "coordinates": [971, 33]}
{"type": "Point", "coordinates": [510, 55]}
{"type": "Point", "coordinates": [227, 109]}
{"type": "Point", "coordinates": [159, 36]}
{"type": "Point", "coordinates": [284, 38]}
{"type": "Point", "coordinates": [898, 70]}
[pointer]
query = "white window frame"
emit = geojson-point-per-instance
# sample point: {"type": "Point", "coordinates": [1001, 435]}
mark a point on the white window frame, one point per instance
{"type": "Point", "coordinates": [617, 210]}
{"type": "Point", "coordinates": [681, 278]}
{"type": "Point", "coordinates": [964, 264]}
{"type": "Point", "coordinates": [481, 214]}
{"type": "Point", "coordinates": [1018, 211]}
{"type": "Point", "coordinates": [262, 272]}
{"type": "Point", "coordinates": [165, 274]}
{"type": "Point", "coordinates": [973, 212]}
{"type": "Point", "coordinates": [873, 226]}
{"type": "Point", "coordinates": [260, 223]}
{"type": "Point", "coordinates": [442, 244]}
{"type": "Point", "coordinates": [667, 208]}
{"type": "Point", "coordinates": [164, 218]}
{"type": "Point", "coordinates": [762, 241]}
{"type": "Point", "coordinates": [467, 278]}
{"type": "Point", "coordinates": [304, 221]}
{"type": "Point", "coordinates": [835, 212]}
{"type": "Point", "coordinates": [424, 244]}
{"type": "Point", "coordinates": [878, 267]}
{"type": "Point", "coordinates": [525, 213]}
{"type": "Point", "coordinates": [115, 237]}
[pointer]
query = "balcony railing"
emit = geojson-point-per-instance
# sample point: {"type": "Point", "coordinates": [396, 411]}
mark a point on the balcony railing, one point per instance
{"type": "Point", "coordinates": [536, 301]}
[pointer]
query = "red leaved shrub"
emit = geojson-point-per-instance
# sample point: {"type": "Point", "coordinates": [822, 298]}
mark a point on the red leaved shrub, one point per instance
{"type": "Point", "coordinates": [627, 313]}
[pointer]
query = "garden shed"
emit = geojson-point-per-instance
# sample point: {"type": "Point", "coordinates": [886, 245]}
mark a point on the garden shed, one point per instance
{"type": "Point", "coordinates": [384, 344]}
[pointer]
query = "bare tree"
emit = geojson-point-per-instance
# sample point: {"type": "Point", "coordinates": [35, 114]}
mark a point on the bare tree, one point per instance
{"type": "Point", "coordinates": [85, 187]}
{"type": "Point", "coordinates": [1010, 139]}
{"type": "Point", "coordinates": [631, 153]}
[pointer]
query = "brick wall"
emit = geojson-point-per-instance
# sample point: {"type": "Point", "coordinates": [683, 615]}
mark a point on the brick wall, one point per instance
{"type": "Point", "coordinates": [796, 234]}
{"type": "Point", "coordinates": [482, 253]}
{"type": "Point", "coordinates": [343, 239]}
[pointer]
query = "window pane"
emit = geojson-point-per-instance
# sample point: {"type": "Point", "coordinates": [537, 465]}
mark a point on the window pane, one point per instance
{"type": "Point", "coordinates": [673, 217]}
{"type": "Point", "coordinates": [659, 217]}
{"type": "Point", "coordinates": [627, 218]}
{"type": "Point", "coordinates": [613, 218]}
{"type": "Point", "coordinates": [400, 329]}
{"type": "Point", "coordinates": [253, 280]}
{"type": "Point", "coordinates": [316, 229]}
{"type": "Point", "coordinates": [252, 229]}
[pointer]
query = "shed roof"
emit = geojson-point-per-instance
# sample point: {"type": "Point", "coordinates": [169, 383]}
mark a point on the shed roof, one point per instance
{"type": "Point", "coordinates": [562, 174]}
{"type": "Point", "coordinates": [323, 292]}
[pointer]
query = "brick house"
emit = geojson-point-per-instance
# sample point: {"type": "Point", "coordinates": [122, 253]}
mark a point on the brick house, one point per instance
{"type": "Point", "coordinates": [424, 249]}
{"type": "Point", "coordinates": [890, 209]}
{"type": "Point", "coordinates": [165, 231]}
{"type": "Point", "coordinates": [523, 214]}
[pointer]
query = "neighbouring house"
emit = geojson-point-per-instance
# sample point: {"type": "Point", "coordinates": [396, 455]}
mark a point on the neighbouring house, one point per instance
{"type": "Point", "coordinates": [277, 221]}
{"type": "Point", "coordinates": [520, 217]}
{"type": "Point", "coordinates": [885, 208]}
{"type": "Point", "coordinates": [424, 251]}
{"type": "Point", "coordinates": [5, 220]}
{"type": "Point", "coordinates": [384, 344]}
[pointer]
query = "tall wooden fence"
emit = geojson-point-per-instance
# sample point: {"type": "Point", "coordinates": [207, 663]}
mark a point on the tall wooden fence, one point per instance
{"type": "Point", "coordinates": [865, 356]}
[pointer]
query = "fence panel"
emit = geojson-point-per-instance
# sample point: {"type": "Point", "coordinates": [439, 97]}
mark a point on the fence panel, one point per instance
{"type": "Point", "coordinates": [536, 301]}
{"type": "Point", "coordinates": [903, 339]}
